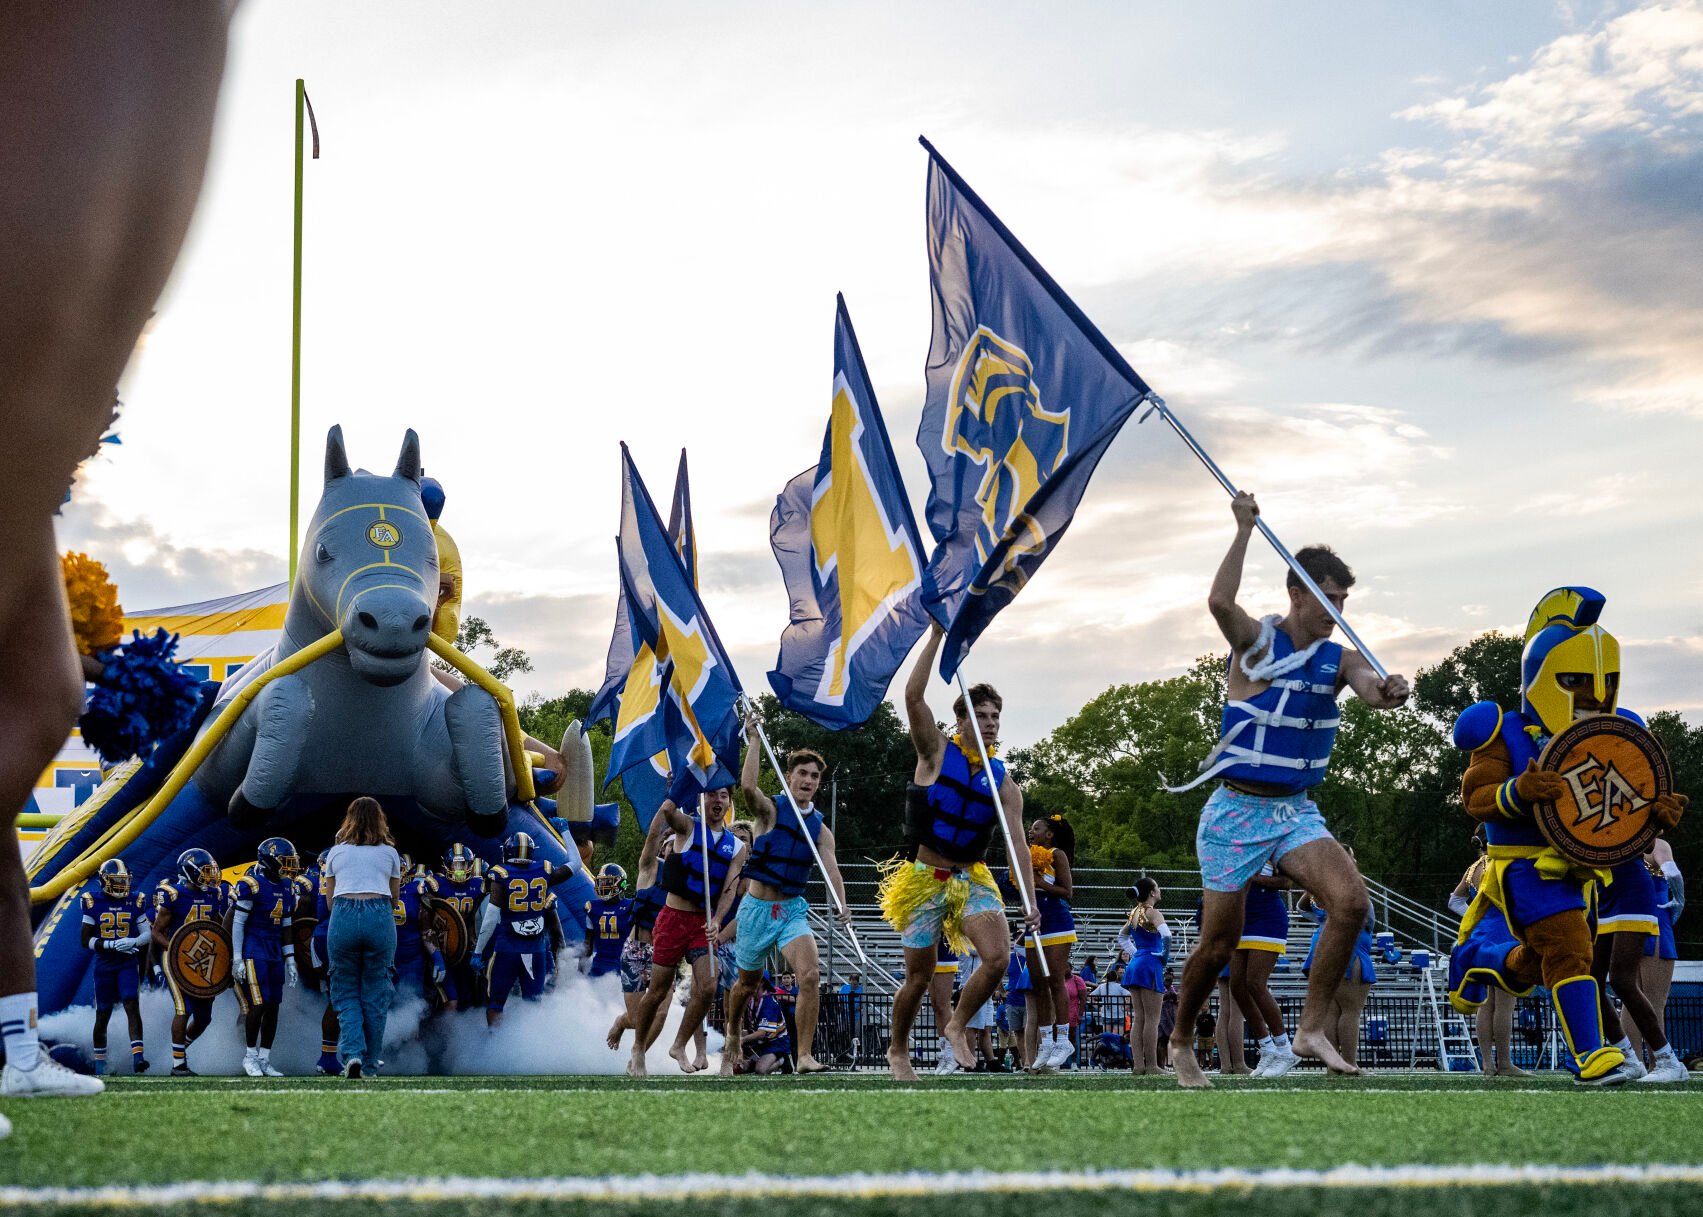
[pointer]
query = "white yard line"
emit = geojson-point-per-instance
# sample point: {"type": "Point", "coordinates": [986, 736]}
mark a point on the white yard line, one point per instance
{"type": "Point", "coordinates": [914, 1183]}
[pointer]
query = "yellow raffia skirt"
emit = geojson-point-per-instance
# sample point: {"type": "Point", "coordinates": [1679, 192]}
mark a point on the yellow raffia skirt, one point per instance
{"type": "Point", "coordinates": [908, 887]}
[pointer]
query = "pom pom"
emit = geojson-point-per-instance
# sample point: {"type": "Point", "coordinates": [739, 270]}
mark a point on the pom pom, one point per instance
{"type": "Point", "coordinates": [96, 618]}
{"type": "Point", "coordinates": [142, 697]}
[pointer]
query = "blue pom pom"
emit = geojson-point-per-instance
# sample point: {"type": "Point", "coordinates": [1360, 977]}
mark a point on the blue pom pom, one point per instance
{"type": "Point", "coordinates": [143, 696]}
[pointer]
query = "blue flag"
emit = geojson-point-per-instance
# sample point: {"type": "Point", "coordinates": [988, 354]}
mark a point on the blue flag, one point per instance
{"type": "Point", "coordinates": [1024, 397]}
{"type": "Point", "coordinates": [700, 689]}
{"type": "Point", "coordinates": [630, 699]}
{"type": "Point", "coordinates": [852, 558]}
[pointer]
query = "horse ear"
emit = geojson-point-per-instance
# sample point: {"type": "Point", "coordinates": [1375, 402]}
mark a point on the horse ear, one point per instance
{"type": "Point", "coordinates": [336, 459]}
{"type": "Point", "coordinates": [408, 464]}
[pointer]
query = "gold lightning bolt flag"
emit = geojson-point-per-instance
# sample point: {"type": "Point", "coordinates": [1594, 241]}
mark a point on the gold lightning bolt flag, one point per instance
{"type": "Point", "coordinates": [848, 548]}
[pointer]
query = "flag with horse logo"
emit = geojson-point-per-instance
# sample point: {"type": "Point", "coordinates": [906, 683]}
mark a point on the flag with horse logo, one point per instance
{"type": "Point", "coordinates": [851, 555]}
{"type": "Point", "coordinates": [699, 688]}
{"type": "Point", "coordinates": [630, 699]}
{"type": "Point", "coordinates": [1024, 397]}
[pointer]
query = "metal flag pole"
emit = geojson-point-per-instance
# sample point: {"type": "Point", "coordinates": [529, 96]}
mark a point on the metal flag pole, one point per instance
{"type": "Point", "coordinates": [709, 896]}
{"type": "Point", "coordinates": [1004, 828]}
{"type": "Point", "coordinates": [1155, 402]}
{"type": "Point", "coordinates": [304, 110]}
{"type": "Point", "coordinates": [833, 896]}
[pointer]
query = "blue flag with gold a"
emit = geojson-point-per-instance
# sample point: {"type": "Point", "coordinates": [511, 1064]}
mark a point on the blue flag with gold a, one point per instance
{"type": "Point", "coordinates": [630, 699]}
{"type": "Point", "coordinates": [849, 550]}
{"type": "Point", "coordinates": [700, 690]}
{"type": "Point", "coordinates": [1024, 397]}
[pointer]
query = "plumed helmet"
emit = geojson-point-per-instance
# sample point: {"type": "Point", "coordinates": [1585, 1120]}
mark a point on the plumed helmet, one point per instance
{"type": "Point", "coordinates": [458, 863]}
{"type": "Point", "coordinates": [277, 859]}
{"type": "Point", "coordinates": [611, 881]}
{"type": "Point", "coordinates": [519, 848]}
{"type": "Point", "coordinates": [1568, 653]}
{"type": "Point", "coordinates": [114, 877]}
{"type": "Point", "coordinates": [198, 868]}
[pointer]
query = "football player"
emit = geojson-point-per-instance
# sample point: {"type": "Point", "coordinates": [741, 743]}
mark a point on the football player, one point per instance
{"type": "Point", "coordinates": [519, 925]}
{"type": "Point", "coordinates": [115, 928]}
{"type": "Point", "coordinates": [315, 882]}
{"type": "Point", "coordinates": [195, 895]}
{"type": "Point", "coordinates": [608, 921]}
{"type": "Point", "coordinates": [263, 957]}
{"type": "Point", "coordinates": [412, 925]}
{"type": "Point", "coordinates": [461, 885]}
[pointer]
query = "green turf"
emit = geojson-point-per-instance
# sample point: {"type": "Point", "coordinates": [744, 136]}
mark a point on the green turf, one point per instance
{"type": "Point", "coordinates": [161, 1131]}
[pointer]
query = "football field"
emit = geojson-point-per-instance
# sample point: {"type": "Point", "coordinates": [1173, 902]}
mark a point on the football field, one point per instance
{"type": "Point", "coordinates": [857, 1146]}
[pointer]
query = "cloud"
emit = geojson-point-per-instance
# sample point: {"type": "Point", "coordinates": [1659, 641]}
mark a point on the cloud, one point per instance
{"type": "Point", "coordinates": [152, 571]}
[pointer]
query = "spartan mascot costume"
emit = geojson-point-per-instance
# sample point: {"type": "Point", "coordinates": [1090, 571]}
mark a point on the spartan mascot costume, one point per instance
{"type": "Point", "coordinates": [1531, 921]}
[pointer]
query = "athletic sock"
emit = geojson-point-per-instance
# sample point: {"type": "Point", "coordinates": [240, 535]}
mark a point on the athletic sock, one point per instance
{"type": "Point", "coordinates": [17, 1030]}
{"type": "Point", "coordinates": [327, 1047]}
{"type": "Point", "coordinates": [100, 1061]}
{"type": "Point", "coordinates": [1624, 1043]}
{"type": "Point", "coordinates": [135, 1051]}
{"type": "Point", "coordinates": [1267, 1043]}
{"type": "Point", "coordinates": [179, 1055]}
{"type": "Point", "coordinates": [264, 1054]}
{"type": "Point", "coordinates": [1664, 1053]}
{"type": "Point", "coordinates": [1281, 1041]}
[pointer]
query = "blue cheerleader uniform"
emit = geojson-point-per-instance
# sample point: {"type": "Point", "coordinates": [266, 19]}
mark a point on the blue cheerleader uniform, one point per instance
{"type": "Point", "coordinates": [1361, 967]}
{"type": "Point", "coordinates": [1147, 952]}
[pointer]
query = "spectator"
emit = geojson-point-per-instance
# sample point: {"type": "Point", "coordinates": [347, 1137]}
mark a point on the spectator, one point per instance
{"type": "Point", "coordinates": [363, 877]}
{"type": "Point", "coordinates": [1090, 972]}
{"type": "Point", "coordinates": [1016, 1006]}
{"type": "Point", "coordinates": [1076, 997]}
{"type": "Point", "coordinates": [1205, 1039]}
{"type": "Point", "coordinates": [1167, 1017]}
{"type": "Point", "coordinates": [767, 1045]}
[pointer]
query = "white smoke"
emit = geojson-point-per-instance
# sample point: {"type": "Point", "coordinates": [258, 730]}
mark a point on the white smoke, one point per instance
{"type": "Point", "coordinates": [561, 1034]}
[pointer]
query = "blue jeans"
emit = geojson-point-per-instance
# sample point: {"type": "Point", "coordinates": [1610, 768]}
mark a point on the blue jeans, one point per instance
{"type": "Point", "coordinates": [363, 974]}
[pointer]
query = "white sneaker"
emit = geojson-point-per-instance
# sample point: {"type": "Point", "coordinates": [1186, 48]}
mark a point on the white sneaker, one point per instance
{"type": "Point", "coordinates": [251, 1066]}
{"type": "Point", "coordinates": [1633, 1068]}
{"type": "Point", "coordinates": [266, 1069]}
{"type": "Point", "coordinates": [947, 1064]}
{"type": "Point", "coordinates": [1063, 1050]}
{"type": "Point", "coordinates": [1281, 1063]}
{"type": "Point", "coordinates": [1668, 1069]}
{"type": "Point", "coordinates": [48, 1077]}
{"type": "Point", "coordinates": [1258, 1071]}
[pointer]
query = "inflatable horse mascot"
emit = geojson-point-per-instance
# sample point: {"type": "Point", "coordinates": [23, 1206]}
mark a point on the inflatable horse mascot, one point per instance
{"type": "Point", "coordinates": [344, 704]}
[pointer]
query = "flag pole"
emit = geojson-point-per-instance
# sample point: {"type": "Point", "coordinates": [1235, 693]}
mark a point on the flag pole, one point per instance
{"type": "Point", "coordinates": [709, 896]}
{"type": "Point", "coordinates": [833, 896]}
{"type": "Point", "coordinates": [1004, 828]}
{"type": "Point", "coordinates": [1157, 403]}
{"type": "Point", "coordinates": [304, 117]}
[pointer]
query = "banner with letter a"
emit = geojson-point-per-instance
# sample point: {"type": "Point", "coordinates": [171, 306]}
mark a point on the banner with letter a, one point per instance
{"type": "Point", "coordinates": [700, 689]}
{"type": "Point", "coordinates": [630, 698]}
{"type": "Point", "coordinates": [848, 547]}
{"type": "Point", "coordinates": [1024, 397]}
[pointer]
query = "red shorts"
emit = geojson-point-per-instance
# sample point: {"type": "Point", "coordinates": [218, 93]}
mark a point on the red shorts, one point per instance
{"type": "Point", "coordinates": [677, 936]}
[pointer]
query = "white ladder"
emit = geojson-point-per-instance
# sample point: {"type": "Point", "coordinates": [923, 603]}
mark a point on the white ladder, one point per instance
{"type": "Point", "coordinates": [1454, 1036]}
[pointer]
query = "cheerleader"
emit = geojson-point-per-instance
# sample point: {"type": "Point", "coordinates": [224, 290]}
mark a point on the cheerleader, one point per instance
{"type": "Point", "coordinates": [1342, 1023]}
{"type": "Point", "coordinates": [1265, 937]}
{"type": "Point", "coordinates": [1146, 941]}
{"type": "Point", "coordinates": [1052, 844]}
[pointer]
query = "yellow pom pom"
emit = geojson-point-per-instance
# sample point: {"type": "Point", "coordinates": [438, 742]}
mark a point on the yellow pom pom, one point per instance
{"type": "Point", "coordinates": [97, 620]}
{"type": "Point", "coordinates": [1041, 856]}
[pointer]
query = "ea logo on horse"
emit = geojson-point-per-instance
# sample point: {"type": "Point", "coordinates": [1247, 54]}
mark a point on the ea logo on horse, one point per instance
{"type": "Point", "coordinates": [995, 407]}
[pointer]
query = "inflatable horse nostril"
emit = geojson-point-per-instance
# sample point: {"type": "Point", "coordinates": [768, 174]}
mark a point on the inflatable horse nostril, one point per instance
{"type": "Point", "coordinates": [421, 622]}
{"type": "Point", "coordinates": [367, 619]}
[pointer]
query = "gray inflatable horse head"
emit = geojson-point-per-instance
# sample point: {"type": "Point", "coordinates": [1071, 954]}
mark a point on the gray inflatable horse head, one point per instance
{"type": "Point", "coordinates": [369, 565]}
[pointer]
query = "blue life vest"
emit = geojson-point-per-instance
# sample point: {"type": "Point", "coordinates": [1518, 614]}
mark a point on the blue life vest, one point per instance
{"type": "Point", "coordinates": [955, 817]}
{"type": "Point", "coordinates": [781, 857]}
{"type": "Point", "coordinates": [1282, 735]}
{"type": "Point", "coordinates": [683, 873]}
{"type": "Point", "coordinates": [647, 903]}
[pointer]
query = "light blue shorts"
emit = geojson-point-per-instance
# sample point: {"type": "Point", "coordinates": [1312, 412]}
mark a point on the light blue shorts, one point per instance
{"type": "Point", "coordinates": [768, 925]}
{"type": "Point", "coordinates": [929, 919]}
{"type": "Point", "coordinates": [1239, 833]}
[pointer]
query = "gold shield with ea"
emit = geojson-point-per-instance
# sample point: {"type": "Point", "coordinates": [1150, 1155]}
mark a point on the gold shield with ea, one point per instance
{"type": "Point", "coordinates": [1615, 770]}
{"type": "Point", "coordinates": [199, 958]}
{"type": "Point", "coordinates": [451, 930]}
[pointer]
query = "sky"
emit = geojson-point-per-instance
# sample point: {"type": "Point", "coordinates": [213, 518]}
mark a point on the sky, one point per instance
{"type": "Point", "coordinates": [1423, 277]}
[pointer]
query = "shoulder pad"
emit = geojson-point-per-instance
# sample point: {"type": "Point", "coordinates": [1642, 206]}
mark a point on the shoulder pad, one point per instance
{"type": "Point", "coordinates": [497, 872]}
{"type": "Point", "coordinates": [588, 908]}
{"type": "Point", "coordinates": [88, 900]}
{"type": "Point", "coordinates": [1624, 713]}
{"type": "Point", "coordinates": [547, 867]}
{"type": "Point", "coordinates": [1477, 726]}
{"type": "Point", "coordinates": [249, 883]}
